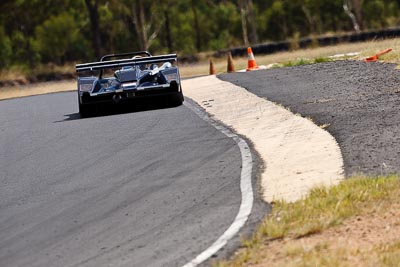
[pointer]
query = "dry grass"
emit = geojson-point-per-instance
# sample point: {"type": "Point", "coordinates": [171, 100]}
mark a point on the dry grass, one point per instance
{"type": "Point", "coordinates": [14, 73]}
{"type": "Point", "coordinates": [353, 224]}
{"type": "Point", "coordinates": [307, 55]}
{"type": "Point", "coordinates": [36, 89]}
{"type": "Point", "coordinates": [298, 57]}
{"type": "Point", "coordinates": [25, 74]}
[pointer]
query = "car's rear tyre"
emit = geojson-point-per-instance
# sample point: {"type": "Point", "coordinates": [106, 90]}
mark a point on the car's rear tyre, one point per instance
{"type": "Point", "coordinates": [176, 100]}
{"type": "Point", "coordinates": [84, 110]}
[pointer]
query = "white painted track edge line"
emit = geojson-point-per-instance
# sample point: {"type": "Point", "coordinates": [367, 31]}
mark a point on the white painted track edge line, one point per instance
{"type": "Point", "coordinates": [246, 189]}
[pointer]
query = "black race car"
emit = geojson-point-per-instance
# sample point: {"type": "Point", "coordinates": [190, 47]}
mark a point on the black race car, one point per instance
{"type": "Point", "coordinates": [128, 76]}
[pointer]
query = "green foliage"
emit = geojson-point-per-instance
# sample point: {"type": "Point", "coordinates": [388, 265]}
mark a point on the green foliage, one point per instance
{"type": "Point", "coordinates": [227, 23]}
{"type": "Point", "coordinates": [322, 59]}
{"type": "Point", "coordinates": [375, 10]}
{"type": "Point", "coordinates": [303, 61]}
{"type": "Point", "coordinates": [57, 37]}
{"type": "Point", "coordinates": [183, 37]}
{"type": "Point", "coordinates": [5, 49]}
{"type": "Point", "coordinates": [28, 35]}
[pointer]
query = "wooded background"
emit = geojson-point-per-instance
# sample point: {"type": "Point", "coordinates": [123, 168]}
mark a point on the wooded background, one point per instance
{"type": "Point", "coordinates": [60, 31]}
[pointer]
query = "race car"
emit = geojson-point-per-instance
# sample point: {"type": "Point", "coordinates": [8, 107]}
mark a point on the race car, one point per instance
{"type": "Point", "coordinates": [128, 76]}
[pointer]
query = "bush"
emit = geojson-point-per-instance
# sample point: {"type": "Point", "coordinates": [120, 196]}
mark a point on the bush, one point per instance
{"type": "Point", "coordinates": [56, 37]}
{"type": "Point", "coordinates": [5, 49]}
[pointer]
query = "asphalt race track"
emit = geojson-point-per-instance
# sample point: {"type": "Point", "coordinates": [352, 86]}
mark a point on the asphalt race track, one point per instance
{"type": "Point", "coordinates": [358, 102]}
{"type": "Point", "coordinates": [157, 186]}
{"type": "Point", "coordinates": [146, 188]}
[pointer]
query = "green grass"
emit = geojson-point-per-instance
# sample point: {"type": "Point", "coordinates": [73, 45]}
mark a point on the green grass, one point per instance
{"type": "Point", "coordinates": [321, 209]}
{"type": "Point", "coordinates": [303, 61]}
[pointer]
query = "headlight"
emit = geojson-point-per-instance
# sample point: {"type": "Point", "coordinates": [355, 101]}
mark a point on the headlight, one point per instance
{"type": "Point", "coordinates": [85, 87]}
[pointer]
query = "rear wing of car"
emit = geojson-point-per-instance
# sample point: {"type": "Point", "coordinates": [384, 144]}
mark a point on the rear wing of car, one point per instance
{"type": "Point", "coordinates": [101, 65]}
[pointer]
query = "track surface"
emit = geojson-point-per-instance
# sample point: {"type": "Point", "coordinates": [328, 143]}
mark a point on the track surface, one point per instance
{"type": "Point", "coordinates": [150, 188]}
{"type": "Point", "coordinates": [360, 102]}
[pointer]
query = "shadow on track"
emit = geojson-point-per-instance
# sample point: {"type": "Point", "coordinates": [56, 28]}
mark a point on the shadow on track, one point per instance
{"type": "Point", "coordinates": [132, 106]}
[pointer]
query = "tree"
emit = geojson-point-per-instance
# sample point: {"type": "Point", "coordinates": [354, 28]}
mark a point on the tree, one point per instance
{"type": "Point", "coordinates": [93, 9]}
{"type": "Point", "coordinates": [196, 25]}
{"type": "Point", "coordinates": [56, 37]}
{"type": "Point", "coordinates": [168, 32]}
{"type": "Point", "coordinates": [252, 24]}
{"type": "Point", "coordinates": [243, 16]}
{"type": "Point", "coordinates": [249, 29]}
{"type": "Point", "coordinates": [147, 24]}
{"type": "Point", "coordinates": [347, 9]}
{"type": "Point", "coordinates": [5, 49]}
{"type": "Point", "coordinates": [29, 35]}
{"type": "Point", "coordinates": [357, 5]}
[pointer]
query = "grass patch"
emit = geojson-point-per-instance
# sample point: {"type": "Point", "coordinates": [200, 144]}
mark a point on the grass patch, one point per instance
{"type": "Point", "coordinates": [323, 208]}
{"type": "Point", "coordinates": [303, 61]}
{"type": "Point", "coordinates": [302, 56]}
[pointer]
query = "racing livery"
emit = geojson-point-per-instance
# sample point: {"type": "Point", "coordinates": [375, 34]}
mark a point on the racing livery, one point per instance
{"type": "Point", "coordinates": [136, 75]}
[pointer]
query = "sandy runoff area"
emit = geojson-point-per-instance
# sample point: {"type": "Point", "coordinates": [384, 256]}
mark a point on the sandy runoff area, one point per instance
{"type": "Point", "coordinates": [298, 155]}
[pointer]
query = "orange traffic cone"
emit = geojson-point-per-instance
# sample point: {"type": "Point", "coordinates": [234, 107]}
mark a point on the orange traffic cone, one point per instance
{"type": "Point", "coordinates": [231, 67]}
{"type": "Point", "coordinates": [376, 57]}
{"type": "Point", "coordinates": [251, 62]}
{"type": "Point", "coordinates": [212, 69]}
